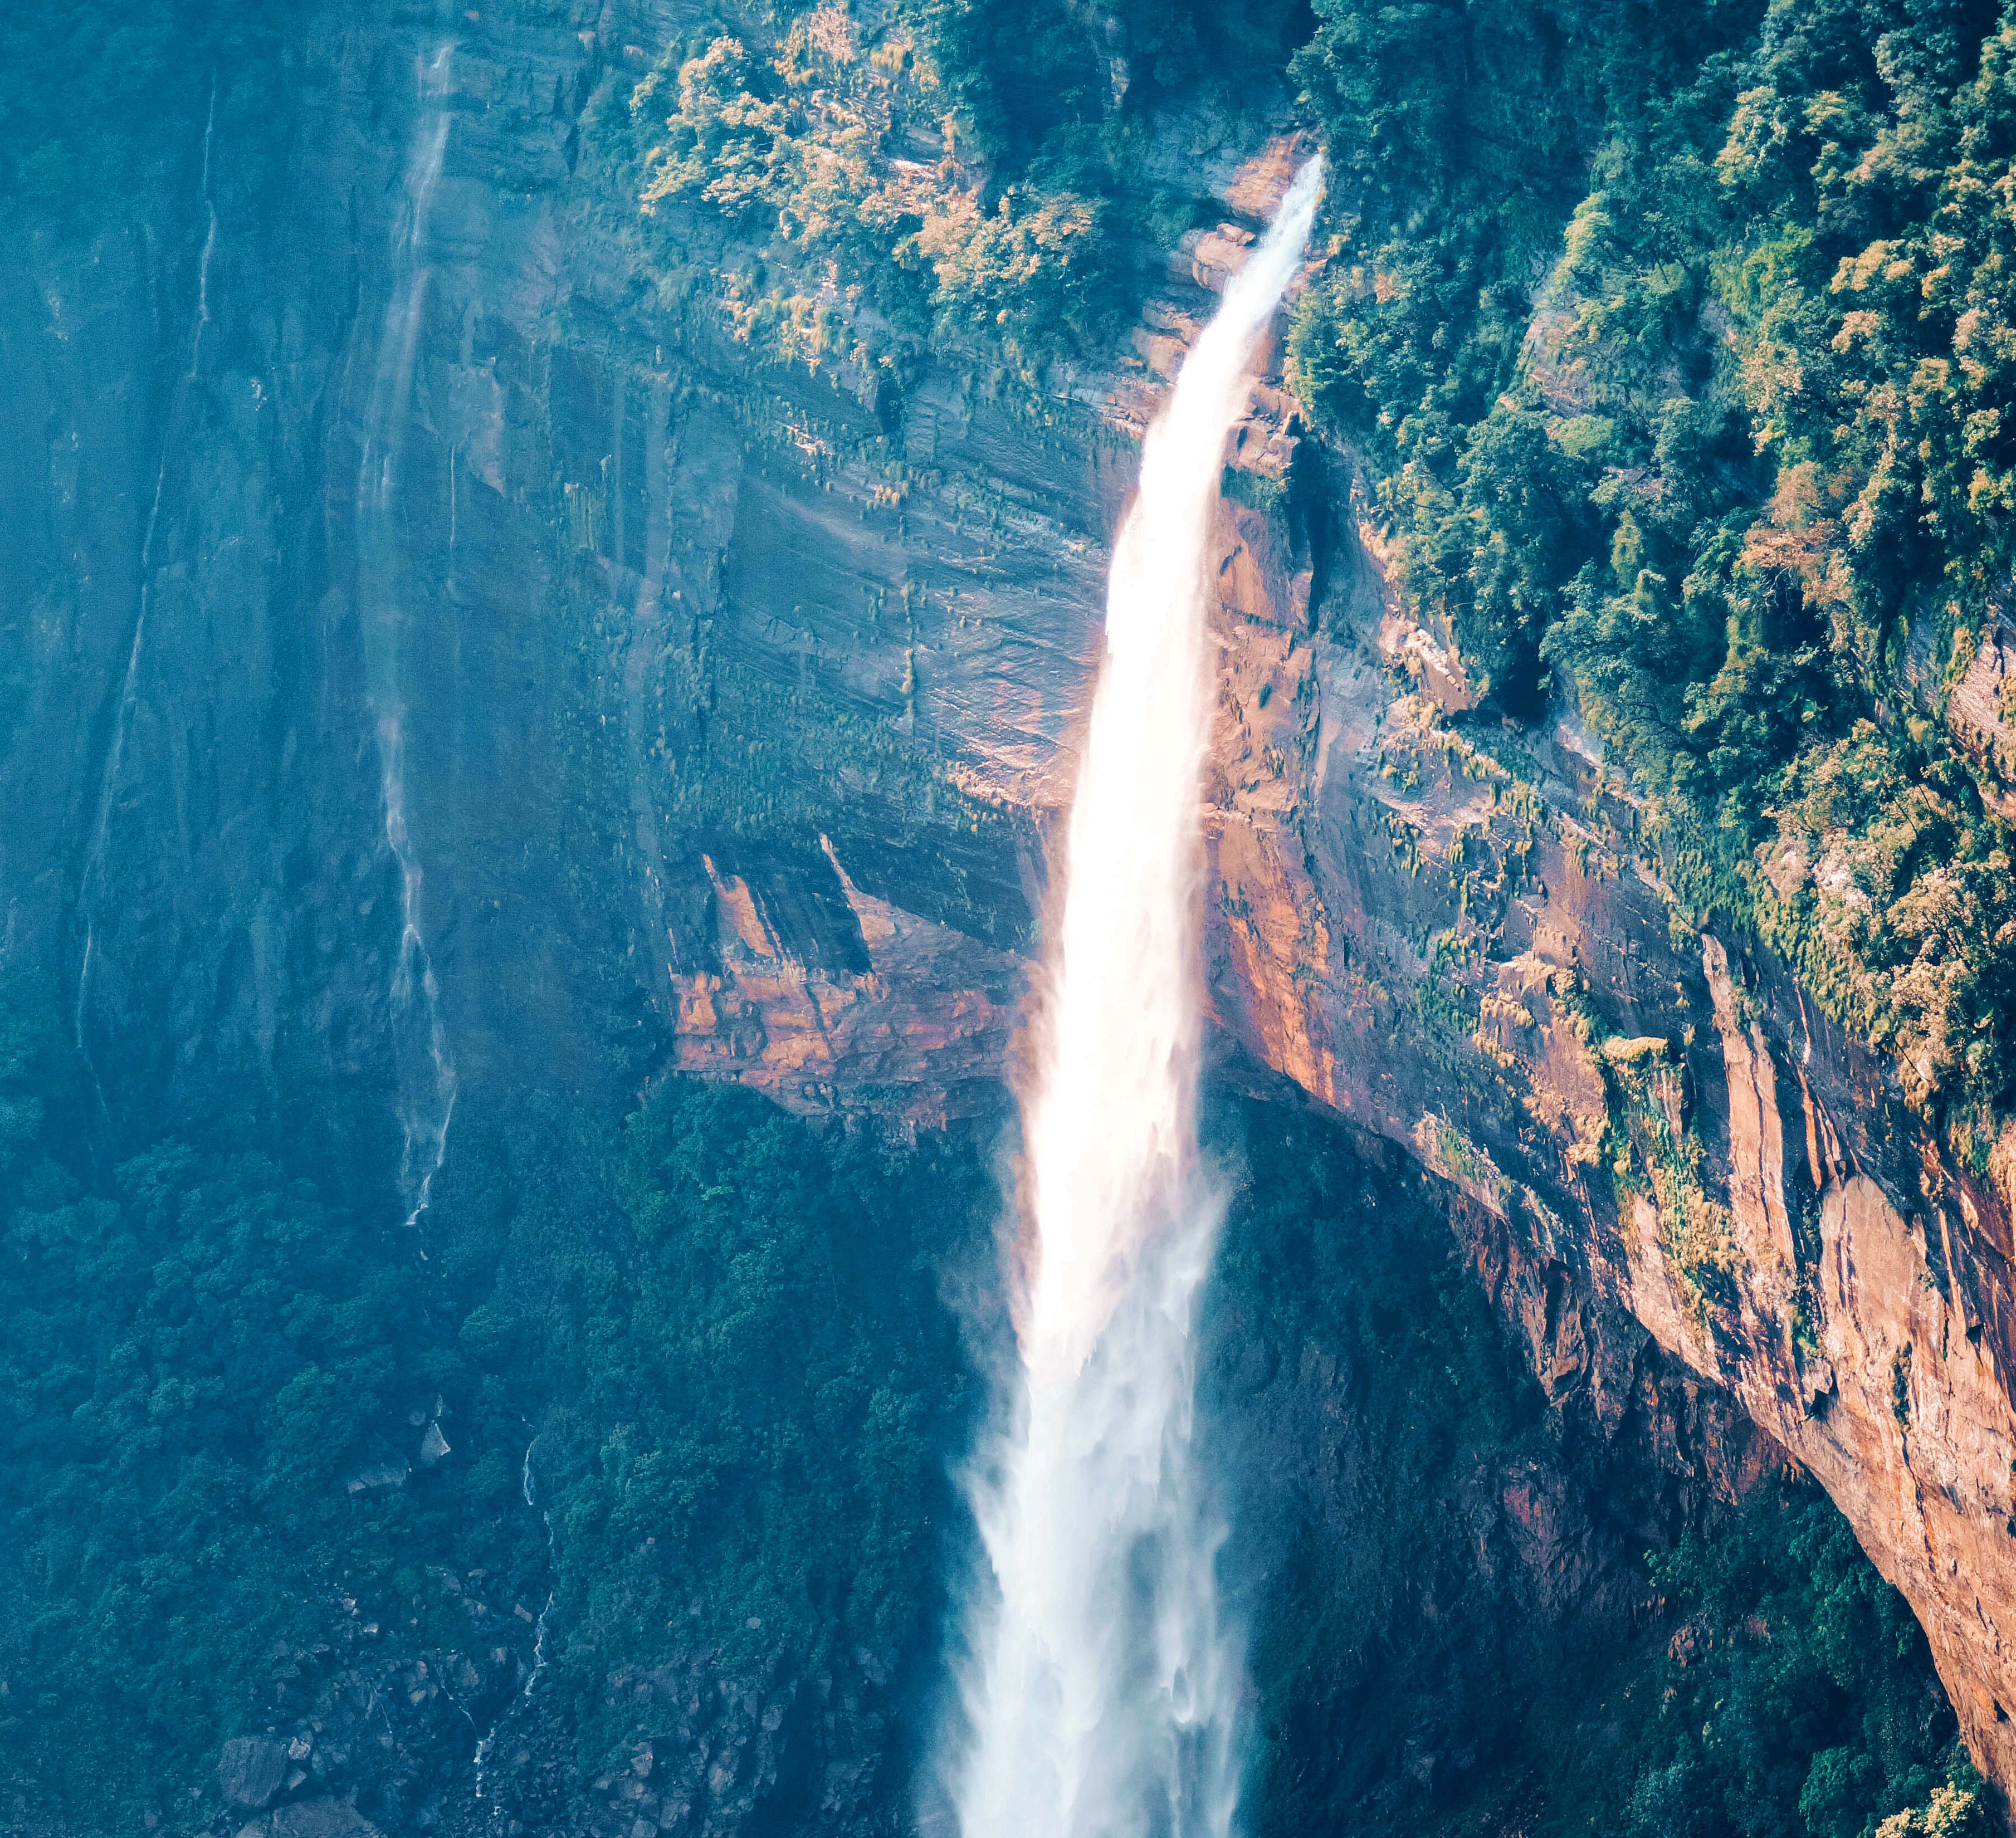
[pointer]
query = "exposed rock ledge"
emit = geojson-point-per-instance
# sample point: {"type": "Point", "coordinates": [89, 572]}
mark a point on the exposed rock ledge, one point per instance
{"type": "Point", "coordinates": [1440, 927]}
{"type": "Point", "coordinates": [1437, 926]}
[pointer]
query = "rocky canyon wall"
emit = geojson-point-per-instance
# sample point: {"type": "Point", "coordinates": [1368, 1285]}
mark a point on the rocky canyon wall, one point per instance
{"type": "Point", "coordinates": [1640, 1112]}
{"type": "Point", "coordinates": [739, 704]}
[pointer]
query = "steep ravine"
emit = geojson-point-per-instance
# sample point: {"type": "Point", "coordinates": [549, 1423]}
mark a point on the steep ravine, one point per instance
{"type": "Point", "coordinates": [740, 710]}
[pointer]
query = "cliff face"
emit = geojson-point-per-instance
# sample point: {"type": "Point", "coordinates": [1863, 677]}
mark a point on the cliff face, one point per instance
{"type": "Point", "coordinates": [1638, 1113]}
{"type": "Point", "coordinates": [731, 708]}
{"type": "Point", "coordinates": [193, 774]}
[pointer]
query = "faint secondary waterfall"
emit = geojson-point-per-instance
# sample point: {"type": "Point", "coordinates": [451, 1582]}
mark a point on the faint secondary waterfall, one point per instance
{"type": "Point", "coordinates": [1103, 1692]}
{"type": "Point", "coordinates": [426, 1083]}
{"type": "Point", "coordinates": [123, 711]}
{"type": "Point", "coordinates": [489, 1739]}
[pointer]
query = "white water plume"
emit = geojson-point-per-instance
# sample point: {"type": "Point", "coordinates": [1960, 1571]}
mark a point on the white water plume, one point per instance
{"type": "Point", "coordinates": [426, 1074]}
{"type": "Point", "coordinates": [1103, 1694]}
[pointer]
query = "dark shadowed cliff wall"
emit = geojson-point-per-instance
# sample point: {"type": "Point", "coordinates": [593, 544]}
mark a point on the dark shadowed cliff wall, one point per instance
{"type": "Point", "coordinates": [735, 702]}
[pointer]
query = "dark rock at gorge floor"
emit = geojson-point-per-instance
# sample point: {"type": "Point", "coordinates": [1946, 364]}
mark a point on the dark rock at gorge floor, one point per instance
{"type": "Point", "coordinates": [738, 712]}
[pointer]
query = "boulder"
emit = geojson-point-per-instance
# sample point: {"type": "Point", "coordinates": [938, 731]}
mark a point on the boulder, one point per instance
{"type": "Point", "coordinates": [322, 1818]}
{"type": "Point", "coordinates": [250, 1770]}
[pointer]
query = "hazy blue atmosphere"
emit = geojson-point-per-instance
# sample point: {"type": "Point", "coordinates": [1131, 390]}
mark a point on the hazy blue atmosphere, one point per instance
{"type": "Point", "coordinates": [930, 920]}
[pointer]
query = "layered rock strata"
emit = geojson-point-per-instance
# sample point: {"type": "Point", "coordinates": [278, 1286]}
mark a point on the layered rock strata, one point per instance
{"type": "Point", "coordinates": [738, 708]}
{"type": "Point", "coordinates": [1451, 930]}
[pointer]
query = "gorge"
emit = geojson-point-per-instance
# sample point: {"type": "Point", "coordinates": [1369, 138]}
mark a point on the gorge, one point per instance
{"type": "Point", "coordinates": [552, 557]}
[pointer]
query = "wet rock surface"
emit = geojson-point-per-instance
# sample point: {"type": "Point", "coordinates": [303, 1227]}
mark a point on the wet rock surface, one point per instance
{"type": "Point", "coordinates": [618, 539]}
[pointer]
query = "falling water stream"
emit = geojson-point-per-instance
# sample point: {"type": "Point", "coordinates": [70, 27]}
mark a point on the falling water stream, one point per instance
{"type": "Point", "coordinates": [1102, 1696]}
{"type": "Point", "coordinates": [123, 712]}
{"type": "Point", "coordinates": [489, 1738]}
{"type": "Point", "coordinates": [426, 1074]}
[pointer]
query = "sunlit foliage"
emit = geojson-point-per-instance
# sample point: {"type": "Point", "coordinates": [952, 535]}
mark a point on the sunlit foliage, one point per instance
{"type": "Point", "coordinates": [1678, 341]}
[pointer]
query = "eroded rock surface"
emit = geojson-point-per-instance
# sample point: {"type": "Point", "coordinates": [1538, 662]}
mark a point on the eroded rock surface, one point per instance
{"type": "Point", "coordinates": [739, 709]}
{"type": "Point", "coordinates": [1655, 1118]}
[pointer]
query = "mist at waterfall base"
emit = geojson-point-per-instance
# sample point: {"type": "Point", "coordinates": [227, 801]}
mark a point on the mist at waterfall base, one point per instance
{"type": "Point", "coordinates": [1102, 1684]}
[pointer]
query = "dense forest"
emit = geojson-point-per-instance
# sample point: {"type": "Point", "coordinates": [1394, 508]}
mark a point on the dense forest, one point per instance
{"type": "Point", "coordinates": [1675, 338]}
{"type": "Point", "coordinates": [703, 1351]}
{"type": "Point", "coordinates": [1674, 343]}
{"type": "Point", "coordinates": [723, 1363]}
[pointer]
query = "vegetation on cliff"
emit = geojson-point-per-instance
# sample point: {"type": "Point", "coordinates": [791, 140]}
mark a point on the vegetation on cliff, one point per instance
{"type": "Point", "coordinates": [1795, 1697]}
{"type": "Point", "coordinates": [1675, 338]}
{"type": "Point", "coordinates": [963, 175]}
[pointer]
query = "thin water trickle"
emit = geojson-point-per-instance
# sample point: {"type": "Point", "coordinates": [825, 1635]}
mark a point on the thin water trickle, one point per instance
{"type": "Point", "coordinates": [1102, 1696]}
{"type": "Point", "coordinates": [123, 711]}
{"type": "Point", "coordinates": [539, 1627]}
{"type": "Point", "coordinates": [425, 1071]}
{"type": "Point", "coordinates": [209, 241]}
{"type": "Point", "coordinates": [488, 1741]}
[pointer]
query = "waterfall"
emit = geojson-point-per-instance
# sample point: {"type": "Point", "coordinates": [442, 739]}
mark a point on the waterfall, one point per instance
{"type": "Point", "coordinates": [1102, 1693]}
{"type": "Point", "coordinates": [123, 711]}
{"type": "Point", "coordinates": [489, 1738]}
{"type": "Point", "coordinates": [425, 1072]}
{"type": "Point", "coordinates": [209, 242]}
